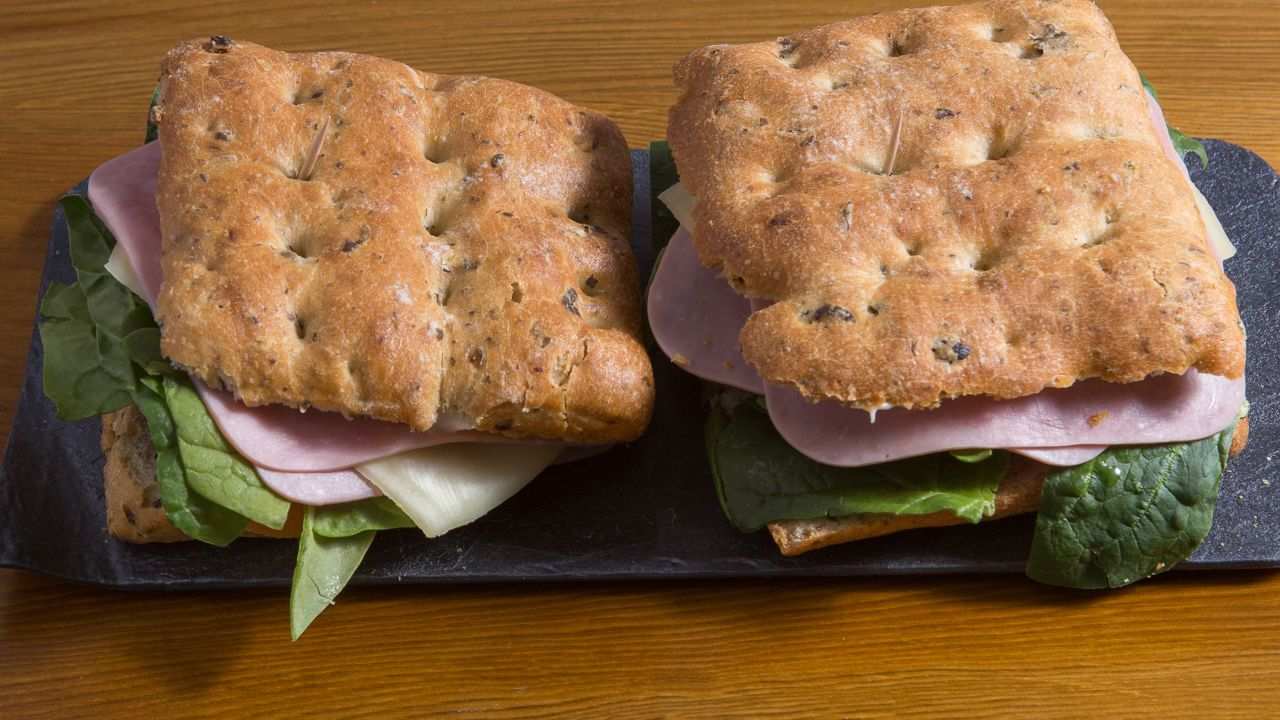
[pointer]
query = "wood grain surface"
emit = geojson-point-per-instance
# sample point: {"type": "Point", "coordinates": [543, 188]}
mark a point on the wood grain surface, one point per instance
{"type": "Point", "coordinates": [74, 83]}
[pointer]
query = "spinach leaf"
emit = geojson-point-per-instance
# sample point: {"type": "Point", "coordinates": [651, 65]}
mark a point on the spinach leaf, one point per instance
{"type": "Point", "coordinates": [1186, 144]}
{"type": "Point", "coordinates": [971, 456]}
{"type": "Point", "coordinates": [213, 469]}
{"type": "Point", "coordinates": [93, 331]}
{"type": "Point", "coordinates": [153, 130]}
{"type": "Point", "coordinates": [1183, 144]}
{"type": "Point", "coordinates": [113, 307]}
{"type": "Point", "coordinates": [143, 346]}
{"type": "Point", "coordinates": [353, 518]}
{"type": "Point", "coordinates": [1127, 514]}
{"type": "Point", "coordinates": [85, 373]}
{"type": "Point", "coordinates": [323, 568]}
{"type": "Point", "coordinates": [760, 478]}
{"type": "Point", "coordinates": [195, 516]}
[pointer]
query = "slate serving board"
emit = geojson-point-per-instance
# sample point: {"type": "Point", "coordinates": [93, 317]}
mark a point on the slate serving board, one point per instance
{"type": "Point", "coordinates": [646, 510]}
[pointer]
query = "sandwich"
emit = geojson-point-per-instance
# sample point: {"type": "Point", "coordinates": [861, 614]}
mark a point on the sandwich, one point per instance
{"type": "Point", "coordinates": [947, 266]}
{"type": "Point", "coordinates": [338, 295]}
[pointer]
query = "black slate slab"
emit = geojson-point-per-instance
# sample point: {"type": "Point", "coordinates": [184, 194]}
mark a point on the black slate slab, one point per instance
{"type": "Point", "coordinates": [646, 510]}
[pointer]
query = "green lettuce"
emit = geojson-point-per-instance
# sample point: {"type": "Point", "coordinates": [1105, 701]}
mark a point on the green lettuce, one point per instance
{"type": "Point", "coordinates": [760, 478]}
{"type": "Point", "coordinates": [95, 332]}
{"type": "Point", "coordinates": [323, 568]}
{"type": "Point", "coordinates": [1182, 143]}
{"type": "Point", "coordinates": [197, 517]}
{"type": "Point", "coordinates": [1128, 514]}
{"type": "Point", "coordinates": [353, 518]}
{"type": "Point", "coordinates": [214, 469]}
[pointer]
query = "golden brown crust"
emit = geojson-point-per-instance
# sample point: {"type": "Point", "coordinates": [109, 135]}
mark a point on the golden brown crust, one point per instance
{"type": "Point", "coordinates": [458, 248]}
{"type": "Point", "coordinates": [1018, 493]}
{"type": "Point", "coordinates": [134, 512]}
{"type": "Point", "coordinates": [1031, 233]}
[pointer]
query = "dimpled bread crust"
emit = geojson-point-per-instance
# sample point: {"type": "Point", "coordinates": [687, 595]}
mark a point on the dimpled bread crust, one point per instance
{"type": "Point", "coordinates": [1030, 232]}
{"type": "Point", "coordinates": [346, 232]}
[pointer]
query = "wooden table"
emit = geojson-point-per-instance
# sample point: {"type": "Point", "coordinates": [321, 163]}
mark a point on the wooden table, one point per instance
{"type": "Point", "coordinates": [74, 83]}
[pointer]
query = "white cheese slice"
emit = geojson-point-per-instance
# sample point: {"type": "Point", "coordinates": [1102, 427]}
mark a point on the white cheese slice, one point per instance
{"type": "Point", "coordinates": [1217, 236]}
{"type": "Point", "coordinates": [120, 269]}
{"type": "Point", "coordinates": [680, 203]}
{"type": "Point", "coordinates": [444, 487]}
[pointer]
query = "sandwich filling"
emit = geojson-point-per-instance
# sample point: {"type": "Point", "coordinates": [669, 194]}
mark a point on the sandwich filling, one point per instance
{"type": "Point", "coordinates": [785, 458]}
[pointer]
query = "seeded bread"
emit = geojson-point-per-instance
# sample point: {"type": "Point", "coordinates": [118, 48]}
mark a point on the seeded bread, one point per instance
{"type": "Point", "coordinates": [1019, 493]}
{"type": "Point", "coordinates": [346, 232]}
{"type": "Point", "coordinates": [953, 201]}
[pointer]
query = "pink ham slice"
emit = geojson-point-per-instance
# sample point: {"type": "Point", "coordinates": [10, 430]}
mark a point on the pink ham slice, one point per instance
{"type": "Point", "coordinates": [695, 317]}
{"type": "Point", "coordinates": [322, 488]}
{"type": "Point", "coordinates": [1168, 408]}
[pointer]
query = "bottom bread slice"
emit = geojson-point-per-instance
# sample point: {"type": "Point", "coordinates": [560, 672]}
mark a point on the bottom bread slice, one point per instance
{"type": "Point", "coordinates": [1019, 493]}
{"type": "Point", "coordinates": [134, 511]}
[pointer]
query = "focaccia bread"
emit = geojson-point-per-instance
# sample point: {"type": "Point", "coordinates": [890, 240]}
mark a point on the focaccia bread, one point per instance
{"type": "Point", "coordinates": [1018, 493]}
{"type": "Point", "coordinates": [1027, 233]}
{"type": "Point", "coordinates": [346, 232]}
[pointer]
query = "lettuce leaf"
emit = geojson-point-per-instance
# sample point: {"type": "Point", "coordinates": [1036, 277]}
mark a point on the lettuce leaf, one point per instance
{"type": "Point", "coordinates": [1182, 143]}
{"type": "Point", "coordinates": [323, 568]}
{"type": "Point", "coordinates": [1128, 514]}
{"type": "Point", "coordinates": [95, 330]}
{"type": "Point", "coordinates": [197, 517]}
{"type": "Point", "coordinates": [760, 478]}
{"type": "Point", "coordinates": [971, 456]}
{"type": "Point", "coordinates": [213, 468]}
{"type": "Point", "coordinates": [353, 518]}
{"type": "Point", "coordinates": [85, 372]}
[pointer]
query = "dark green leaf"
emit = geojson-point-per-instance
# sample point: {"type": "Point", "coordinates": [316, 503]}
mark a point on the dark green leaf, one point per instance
{"type": "Point", "coordinates": [323, 568]}
{"type": "Point", "coordinates": [214, 469]}
{"type": "Point", "coordinates": [149, 398]}
{"type": "Point", "coordinates": [353, 518]}
{"type": "Point", "coordinates": [761, 479]}
{"type": "Point", "coordinates": [143, 346]}
{"type": "Point", "coordinates": [1127, 514]}
{"type": "Point", "coordinates": [195, 516]}
{"type": "Point", "coordinates": [113, 307]}
{"type": "Point", "coordinates": [971, 456]}
{"type": "Point", "coordinates": [84, 374]}
{"type": "Point", "coordinates": [1183, 144]}
{"type": "Point", "coordinates": [153, 130]}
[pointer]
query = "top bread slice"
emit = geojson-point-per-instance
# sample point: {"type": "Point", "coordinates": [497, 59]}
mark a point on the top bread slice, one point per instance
{"type": "Point", "coordinates": [1028, 232]}
{"type": "Point", "coordinates": [345, 232]}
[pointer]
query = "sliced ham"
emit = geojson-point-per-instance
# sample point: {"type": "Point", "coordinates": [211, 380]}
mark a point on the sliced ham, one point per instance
{"type": "Point", "coordinates": [1063, 456]}
{"type": "Point", "coordinates": [1168, 408]}
{"type": "Point", "coordinates": [327, 488]}
{"type": "Point", "coordinates": [281, 438]}
{"type": "Point", "coordinates": [695, 317]}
